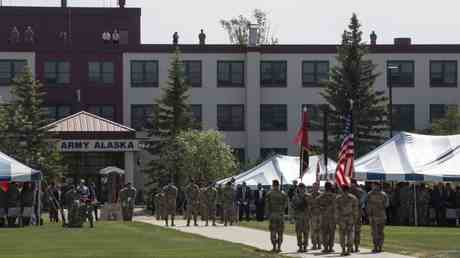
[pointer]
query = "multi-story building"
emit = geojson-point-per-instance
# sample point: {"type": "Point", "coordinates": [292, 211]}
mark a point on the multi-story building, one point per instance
{"type": "Point", "coordinates": [253, 94]}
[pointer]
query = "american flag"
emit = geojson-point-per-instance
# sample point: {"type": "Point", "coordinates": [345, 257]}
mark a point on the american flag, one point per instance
{"type": "Point", "coordinates": [345, 166]}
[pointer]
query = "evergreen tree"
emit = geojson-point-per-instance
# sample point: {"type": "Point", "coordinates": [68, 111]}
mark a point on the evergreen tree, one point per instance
{"type": "Point", "coordinates": [24, 120]}
{"type": "Point", "coordinates": [353, 79]}
{"type": "Point", "coordinates": [172, 115]}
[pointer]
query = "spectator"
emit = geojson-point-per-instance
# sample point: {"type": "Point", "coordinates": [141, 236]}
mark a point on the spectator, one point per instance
{"type": "Point", "coordinates": [3, 202]}
{"type": "Point", "coordinates": [14, 36]}
{"type": "Point", "coordinates": [29, 36]}
{"type": "Point", "coordinates": [259, 200]}
{"type": "Point", "coordinates": [106, 37]}
{"type": "Point", "coordinates": [13, 204]}
{"type": "Point", "coordinates": [244, 199]}
{"type": "Point", "coordinates": [449, 194]}
{"type": "Point", "coordinates": [27, 203]}
{"type": "Point", "coordinates": [93, 198]}
{"type": "Point", "coordinates": [437, 204]}
{"type": "Point", "coordinates": [115, 37]}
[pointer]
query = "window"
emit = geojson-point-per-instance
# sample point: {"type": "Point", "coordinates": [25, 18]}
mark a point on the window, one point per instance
{"type": "Point", "coordinates": [439, 111]}
{"type": "Point", "coordinates": [443, 73]}
{"type": "Point", "coordinates": [141, 116]}
{"type": "Point", "coordinates": [57, 72]}
{"type": "Point", "coordinates": [273, 73]}
{"type": "Point", "coordinates": [403, 117]}
{"type": "Point", "coordinates": [58, 112]}
{"type": "Point", "coordinates": [104, 111]}
{"type": "Point", "coordinates": [9, 69]}
{"type": "Point", "coordinates": [403, 76]}
{"type": "Point", "coordinates": [273, 117]}
{"type": "Point", "coordinates": [101, 72]}
{"type": "Point", "coordinates": [192, 72]}
{"type": "Point", "coordinates": [240, 155]}
{"type": "Point", "coordinates": [266, 153]}
{"type": "Point", "coordinates": [313, 72]}
{"type": "Point", "coordinates": [315, 116]}
{"type": "Point", "coordinates": [196, 113]}
{"type": "Point", "coordinates": [144, 73]}
{"type": "Point", "coordinates": [230, 74]}
{"type": "Point", "coordinates": [230, 117]}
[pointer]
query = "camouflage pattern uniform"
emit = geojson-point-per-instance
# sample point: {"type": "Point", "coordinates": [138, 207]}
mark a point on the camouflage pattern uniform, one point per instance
{"type": "Point", "coordinates": [170, 193]}
{"type": "Point", "coordinates": [210, 200]}
{"type": "Point", "coordinates": [276, 202]}
{"type": "Point", "coordinates": [127, 198]}
{"type": "Point", "coordinates": [315, 221]}
{"type": "Point", "coordinates": [346, 216]}
{"type": "Point", "coordinates": [377, 201]}
{"type": "Point", "coordinates": [327, 207]}
{"type": "Point", "coordinates": [360, 195]}
{"type": "Point", "coordinates": [156, 200]}
{"type": "Point", "coordinates": [192, 193]}
{"type": "Point", "coordinates": [228, 196]}
{"type": "Point", "coordinates": [301, 206]}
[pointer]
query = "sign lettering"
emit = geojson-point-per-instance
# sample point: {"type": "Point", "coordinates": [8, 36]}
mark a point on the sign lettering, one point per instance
{"type": "Point", "coordinates": [98, 145]}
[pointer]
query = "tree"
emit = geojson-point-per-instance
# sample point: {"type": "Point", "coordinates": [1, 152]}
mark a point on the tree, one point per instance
{"type": "Point", "coordinates": [238, 29]}
{"type": "Point", "coordinates": [353, 79]}
{"type": "Point", "coordinates": [24, 120]}
{"type": "Point", "coordinates": [171, 116]}
{"type": "Point", "coordinates": [448, 125]}
{"type": "Point", "coordinates": [204, 156]}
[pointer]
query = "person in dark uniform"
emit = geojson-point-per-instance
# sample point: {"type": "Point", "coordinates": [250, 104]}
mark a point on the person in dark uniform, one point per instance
{"type": "Point", "coordinates": [244, 198]}
{"type": "Point", "coordinates": [259, 200]}
{"type": "Point", "coordinates": [3, 202]}
{"type": "Point", "coordinates": [27, 203]}
{"type": "Point", "coordinates": [13, 204]}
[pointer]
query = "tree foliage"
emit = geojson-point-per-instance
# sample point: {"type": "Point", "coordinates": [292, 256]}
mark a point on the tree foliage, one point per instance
{"type": "Point", "coordinates": [447, 126]}
{"type": "Point", "coordinates": [23, 122]}
{"type": "Point", "coordinates": [353, 79]}
{"type": "Point", "coordinates": [237, 28]}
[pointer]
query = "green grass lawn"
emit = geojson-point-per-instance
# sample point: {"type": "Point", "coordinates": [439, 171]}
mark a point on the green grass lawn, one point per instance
{"type": "Point", "coordinates": [415, 241]}
{"type": "Point", "coordinates": [115, 240]}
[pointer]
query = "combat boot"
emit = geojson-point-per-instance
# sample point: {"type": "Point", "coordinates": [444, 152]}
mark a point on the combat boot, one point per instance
{"type": "Point", "coordinates": [343, 252]}
{"type": "Point", "coordinates": [305, 249]}
{"type": "Point", "coordinates": [300, 249]}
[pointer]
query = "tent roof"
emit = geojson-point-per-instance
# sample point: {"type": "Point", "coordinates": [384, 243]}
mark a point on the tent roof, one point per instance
{"type": "Point", "coordinates": [412, 157]}
{"type": "Point", "coordinates": [281, 167]}
{"type": "Point", "coordinates": [12, 170]}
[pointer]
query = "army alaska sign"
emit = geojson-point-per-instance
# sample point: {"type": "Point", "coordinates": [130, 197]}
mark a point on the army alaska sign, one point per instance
{"type": "Point", "coordinates": [98, 145]}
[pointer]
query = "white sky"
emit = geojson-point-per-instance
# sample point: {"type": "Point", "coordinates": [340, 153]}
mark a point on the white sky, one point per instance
{"type": "Point", "coordinates": [293, 21]}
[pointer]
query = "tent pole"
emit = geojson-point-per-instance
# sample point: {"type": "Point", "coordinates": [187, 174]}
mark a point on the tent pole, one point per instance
{"type": "Point", "coordinates": [415, 206]}
{"type": "Point", "coordinates": [39, 208]}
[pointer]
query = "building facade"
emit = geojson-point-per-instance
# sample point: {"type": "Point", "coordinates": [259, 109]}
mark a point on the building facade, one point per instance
{"type": "Point", "coordinates": [253, 94]}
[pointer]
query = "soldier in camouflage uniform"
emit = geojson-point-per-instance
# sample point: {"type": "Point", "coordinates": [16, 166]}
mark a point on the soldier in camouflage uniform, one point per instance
{"type": "Point", "coordinates": [315, 218]}
{"type": "Point", "coordinates": [228, 196]}
{"type": "Point", "coordinates": [170, 197]}
{"type": "Point", "coordinates": [346, 216]}
{"type": "Point", "coordinates": [276, 205]}
{"type": "Point", "coordinates": [156, 202]}
{"type": "Point", "coordinates": [360, 194]}
{"type": "Point", "coordinates": [377, 202]}
{"type": "Point", "coordinates": [192, 193]}
{"type": "Point", "coordinates": [127, 198]}
{"type": "Point", "coordinates": [327, 207]}
{"type": "Point", "coordinates": [210, 200]}
{"type": "Point", "coordinates": [301, 206]}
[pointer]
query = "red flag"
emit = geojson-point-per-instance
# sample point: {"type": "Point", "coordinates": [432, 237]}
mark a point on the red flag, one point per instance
{"type": "Point", "coordinates": [4, 186]}
{"type": "Point", "coordinates": [345, 165]}
{"type": "Point", "coordinates": [302, 140]}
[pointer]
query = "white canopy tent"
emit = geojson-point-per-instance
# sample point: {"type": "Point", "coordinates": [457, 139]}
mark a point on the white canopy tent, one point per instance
{"type": "Point", "coordinates": [108, 170]}
{"type": "Point", "coordinates": [283, 168]}
{"type": "Point", "coordinates": [12, 170]}
{"type": "Point", "coordinates": [412, 157]}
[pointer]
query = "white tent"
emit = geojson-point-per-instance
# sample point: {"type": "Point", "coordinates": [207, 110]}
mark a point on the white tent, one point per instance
{"type": "Point", "coordinates": [12, 170]}
{"type": "Point", "coordinates": [108, 170]}
{"type": "Point", "coordinates": [283, 168]}
{"type": "Point", "coordinates": [412, 157]}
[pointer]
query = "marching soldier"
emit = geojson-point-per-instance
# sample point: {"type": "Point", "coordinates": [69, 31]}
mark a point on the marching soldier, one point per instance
{"type": "Point", "coordinates": [301, 205]}
{"type": "Point", "coordinates": [157, 201]}
{"type": "Point", "coordinates": [346, 214]}
{"type": "Point", "coordinates": [276, 205]}
{"type": "Point", "coordinates": [326, 203]}
{"type": "Point", "coordinates": [170, 197]}
{"type": "Point", "coordinates": [210, 197]}
{"type": "Point", "coordinates": [360, 194]}
{"type": "Point", "coordinates": [127, 198]}
{"type": "Point", "coordinates": [192, 193]}
{"type": "Point", "coordinates": [377, 202]}
{"type": "Point", "coordinates": [315, 218]}
{"type": "Point", "coordinates": [228, 195]}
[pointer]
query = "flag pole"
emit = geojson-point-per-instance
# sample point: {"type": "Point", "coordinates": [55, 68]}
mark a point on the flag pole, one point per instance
{"type": "Point", "coordinates": [325, 137]}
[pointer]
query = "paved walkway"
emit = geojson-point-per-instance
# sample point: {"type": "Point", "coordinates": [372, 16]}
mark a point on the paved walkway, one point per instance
{"type": "Point", "coordinates": [258, 239]}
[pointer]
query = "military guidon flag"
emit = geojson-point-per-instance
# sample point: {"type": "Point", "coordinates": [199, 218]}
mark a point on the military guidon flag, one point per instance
{"type": "Point", "coordinates": [345, 166]}
{"type": "Point", "coordinates": [302, 140]}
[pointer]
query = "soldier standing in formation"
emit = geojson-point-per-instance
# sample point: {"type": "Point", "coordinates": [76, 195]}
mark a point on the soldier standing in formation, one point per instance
{"type": "Point", "coordinates": [228, 195]}
{"type": "Point", "coordinates": [360, 194]}
{"type": "Point", "coordinates": [301, 204]}
{"type": "Point", "coordinates": [210, 200]}
{"type": "Point", "coordinates": [315, 218]}
{"type": "Point", "coordinates": [326, 203]}
{"type": "Point", "coordinates": [276, 205]}
{"type": "Point", "coordinates": [170, 197]}
{"type": "Point", "coordinates": [346, 216]}
{"type": "Point", "coordinates": [377, 202]}
{"type": "Point", "coordinates": [192, 195]}
{"type": "Point", "coordinates": [127, 198]}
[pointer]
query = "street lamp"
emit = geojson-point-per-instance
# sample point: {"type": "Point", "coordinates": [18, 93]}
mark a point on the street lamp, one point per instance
{"type": "Point", "coordinates": [390, 69]}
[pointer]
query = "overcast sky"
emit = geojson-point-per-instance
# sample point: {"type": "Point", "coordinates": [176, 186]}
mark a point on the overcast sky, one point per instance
{"type": "Point", "coordinates": [292, 21]}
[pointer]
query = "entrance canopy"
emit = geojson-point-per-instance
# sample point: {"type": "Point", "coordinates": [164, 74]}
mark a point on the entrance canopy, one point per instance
{"type": "Point", "coordinates": [108, 170]}
{"type": "Point", "coordinates": [12, 170]}
{"type": "Point", "coordinates": [412, 157]}
{"type": "Point", "coordinates": [282, 168]}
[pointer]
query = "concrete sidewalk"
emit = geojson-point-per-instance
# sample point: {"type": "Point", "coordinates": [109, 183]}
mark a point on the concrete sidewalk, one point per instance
{"type": "Point", "coordinates": [258, 239]}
